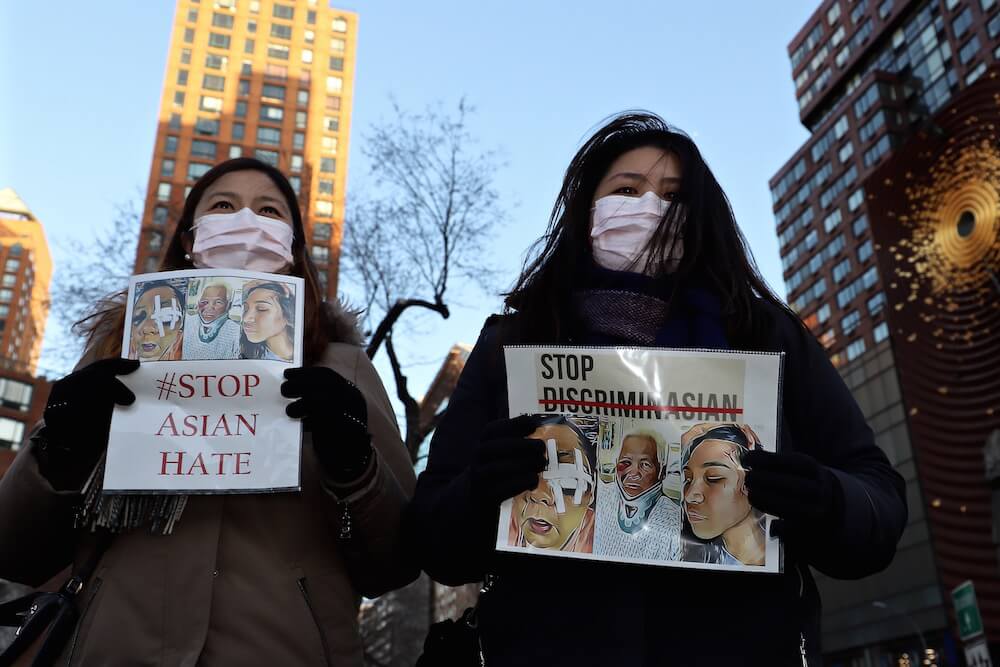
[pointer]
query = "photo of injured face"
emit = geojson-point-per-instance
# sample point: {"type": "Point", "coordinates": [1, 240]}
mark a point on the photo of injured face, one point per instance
{"type": "Point", "coordinates": [636, 518]}
{"type": "Point", "coordinates": [157, 321]}
{"type": "Point", "coordinates": [558, 514]}
{"type": "Point", "coordinates": [720, 525]}
{"type": "Point", "coordinates": [211, 326]}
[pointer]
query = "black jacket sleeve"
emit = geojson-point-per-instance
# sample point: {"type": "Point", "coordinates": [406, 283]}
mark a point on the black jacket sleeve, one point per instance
{"type": "Point", "coordinates": [452, 536]}
{"type": "Point", "coordinates": [825, 422]}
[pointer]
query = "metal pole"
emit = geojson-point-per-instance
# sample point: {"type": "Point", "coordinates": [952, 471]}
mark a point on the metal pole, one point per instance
{"type": "Point", "coordinates": [878, 604]}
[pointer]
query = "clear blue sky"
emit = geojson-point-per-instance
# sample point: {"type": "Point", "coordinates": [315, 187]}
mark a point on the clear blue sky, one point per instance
{"type": "Point", "coordinates": [81, 85]}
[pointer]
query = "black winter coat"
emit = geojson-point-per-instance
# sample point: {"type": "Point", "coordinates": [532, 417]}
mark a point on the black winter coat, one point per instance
{"type": "Point", "coordinates": [550, 612]}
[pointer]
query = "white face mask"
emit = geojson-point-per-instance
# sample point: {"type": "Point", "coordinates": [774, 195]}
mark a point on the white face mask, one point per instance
{"type": "Point", "coordinates": [242, 240]}
{"type": "Point", "coordinates": [620, 228]}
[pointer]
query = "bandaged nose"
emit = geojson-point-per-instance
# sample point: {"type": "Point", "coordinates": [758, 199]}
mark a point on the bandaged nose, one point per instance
{"type": "Point", "coordinates": [569, 476]}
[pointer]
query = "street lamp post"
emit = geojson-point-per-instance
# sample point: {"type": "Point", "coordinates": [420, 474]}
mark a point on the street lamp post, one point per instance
{"type": "Point", "coordinates": [879, 604]}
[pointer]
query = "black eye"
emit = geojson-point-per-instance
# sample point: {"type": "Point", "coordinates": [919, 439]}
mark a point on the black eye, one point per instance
{"type": "Point", "coordinates": [222, 203]}
{"type": "Point", "coordinates": [270, 210]}
{"type": "Point", "coordinates": [626, 190]}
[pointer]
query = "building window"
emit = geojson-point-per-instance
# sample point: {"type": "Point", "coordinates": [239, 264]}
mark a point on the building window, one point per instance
{"type": "Point", "coordinates": [302, 97]}
{"type": "Point", "coordinates": [875, 153]}
{"type": "Point", "coordinates": [270, 114]}
{"type": "Point", "coordinates": [182, 77]}
{"type": "Point", "coordinates": [6, 295]}
{"type": "Point", "coordinates": [307, 56]}
{"type": "Point", "coordinates": [246, 68]}
{"type": "Point", "coordinates": [859, 226]}
{"type": "Point", "coordinates": [152, 264]}
{"type": "Point", "coordinates": [962, 23]}
{"type": "Point", "coordinates": [241, 109]}
{"type": "Point", "coordinates": [331, 123]}
{"type": "Point", "coordinates": [244, 88]}
{"type": "Point", "coordinates": [9, 279]}
{"type": "Point", "coordinates": [273, 92]}
{"type": "Point", "coordinates": [855, 349]}
{"type": "Point", "coordinates": [210, 103]}
{"type": "Point", "coordinates": [213, 82]}
{"type": "Point", "coordinates": [339, 24]}
{"type": "Point", "coordinates": [851, 322]}
{"type": "Point", "coordinates": [334, 84]}
{"type": "Point", "coordinates": [11, 432]}
{"type": "Point", "coordinates": [270, 157]}
{"type": "Point", "coordinates": [884, 9]}
{"type": "Point", "coordinates": [12, 265]}
{"type": "Point", "coordinates": [235, 151]}
{"type": "Point", "coordinates": [238, 131]}
{"type": "Point", "coordinates": [329, 145]}
{"type": "Point", "coordinates": [320, 254]}
{"type": "Point", "coordinates": [325, 187]}
{"type": "Point", "coordinates": [160, 216]}
{"type": "Point", "coordinates": [969, 50]}
{"type": "Point", "coordinates": [215, 61]}
{"type": "Point", "coordinates": [163, 192]}
{"type": "Point", "coordinates": [338, 45]}
{"type": "Point", "coordinates": [277, 51]}
{"type": "Point", "coordinates": [296, 164]}
{"type": "Point", "coordinates": [175, 121]}
{"type": "Point", "coordinates": [301, 117]}
{"type": "Point", "coordinates": [299, 140]}
{"type": "Point", "coordinates": [831, 221]}
{"type": "Point", "coordinates": [167, 168]}
{"type": "Point", "coordinates": [205, 149]}
{"type": "Point", "coordinates": [218, 40]}
{"type": "Point", "coordinates": [248, 46]}
{"type": "Point", "coordinates": [281, 31]}
{"type": "Point", "coordinates": [196, 170]}
{"type": "Point", "coordinates": [823, 313]}
{"type": "Point", "coordinates": [155, 241]}
{"type": "Point", "coordinates": [841, 269]}
{"type": "Point", "coordinates": [865, 250]}
{"type": "Point", "coordinates": [269, 135]}
{"type": "Point", "coordinates": [276, 71]}
{"type": "Point", "coordinates": [324, 208]}
{"type": "Point", "coordinates": [188, 35]}
{"type": "Point", "coordinates": [337, 65]}
{"type": "Point", "coordinates": [971, 77]}
{"type": "Point", "coordinates": [251, 26]}
{"type": "Point", "coordinates": [333, 103]}
{"type": "Point", "coordinates": [322, 231]}
{"type": "Point", "coordinates": [846, 151]}
{"type": "Point", "coordinates": [296, 184]}
{"type": "Point", "coordinates": [170, 145]}
{"type": "Point", "coordinates": [283, 12]}
{"type": "Point", "coordinates": [179, 98]}
{"type": "Point", "coordinates": [207, 126]}
{"type": "Point", "coordinates": [856, 199]}
{"type": "Point", "coordinates": [881, 332]}
{"type": "Point", "coordinates": [222, 21]}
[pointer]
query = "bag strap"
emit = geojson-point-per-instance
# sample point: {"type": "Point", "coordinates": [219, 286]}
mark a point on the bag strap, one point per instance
{"type": "Point", "coordinates": [82, 574]}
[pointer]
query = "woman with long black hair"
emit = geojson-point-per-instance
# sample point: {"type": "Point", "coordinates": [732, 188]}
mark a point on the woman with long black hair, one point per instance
{"type": "Point", "coordinates": [642, 249]}
{"type": "Point", "coordinates": [256, 579]}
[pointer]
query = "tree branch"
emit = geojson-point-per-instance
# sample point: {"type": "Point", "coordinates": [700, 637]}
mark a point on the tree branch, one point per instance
{"type": "Point", "coordinates": [382, 332]}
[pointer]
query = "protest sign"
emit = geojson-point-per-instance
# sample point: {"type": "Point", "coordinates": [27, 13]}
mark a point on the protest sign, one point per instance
{"type": "Point", "coordinates": [644, 455]}
{"type": "Point", "coordinates": [209, 416]}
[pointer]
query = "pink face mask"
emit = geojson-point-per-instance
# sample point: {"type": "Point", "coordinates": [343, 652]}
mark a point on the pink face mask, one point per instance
{"type": "Point", "coordinates": [242, 240]}
{"type": "Point", "coordinates": [621, 227]}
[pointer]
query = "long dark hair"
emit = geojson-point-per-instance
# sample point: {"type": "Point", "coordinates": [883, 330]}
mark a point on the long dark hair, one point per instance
{"type": "Point", "coordinates": [250, 350]}
{"type": "Point", "coordinates": [715, 254]}
{"type": "Point", "coordinates": [108, 321]}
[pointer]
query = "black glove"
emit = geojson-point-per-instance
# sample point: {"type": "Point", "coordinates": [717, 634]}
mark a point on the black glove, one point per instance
{"type": "Point", "coordinates": [506, 462]}
{"type": "Point", "coordinates": [794, 487]}
{"type": "Point", "coordinates": [334, 411]}
{"type": "Point", "coordinates": [78, 420]}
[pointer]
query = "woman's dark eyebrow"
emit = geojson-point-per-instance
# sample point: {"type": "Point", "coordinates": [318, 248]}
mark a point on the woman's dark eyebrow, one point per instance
{"type": "Point", "coordinates": [269, 198]}
{"type": "Point", "coordinates": [708, 464]}
{"type": "Point", "coordinates": [641, 177]}
{"type": "Point", "coordinates": [225, 194]}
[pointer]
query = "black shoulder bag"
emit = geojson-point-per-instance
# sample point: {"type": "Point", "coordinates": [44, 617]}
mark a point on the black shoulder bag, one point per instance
{"type": "Point", "coordinates": [45, 621]}
{"type": "Point", "coordinates": [457, 643]}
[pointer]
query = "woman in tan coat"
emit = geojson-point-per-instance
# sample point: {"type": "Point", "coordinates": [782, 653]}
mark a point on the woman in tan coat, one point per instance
{"type": "Point", "coordinates": [264, 579]}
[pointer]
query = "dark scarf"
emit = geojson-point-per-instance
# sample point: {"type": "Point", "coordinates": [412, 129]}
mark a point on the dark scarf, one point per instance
{"type": "Point", "coordinates": [623, 308]}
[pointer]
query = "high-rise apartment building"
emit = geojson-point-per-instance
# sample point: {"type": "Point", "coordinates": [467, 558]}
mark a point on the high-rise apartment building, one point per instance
{"type": "Point", "coordinates": [888, 220]}
{"type": "Point", "coordinates": [24, 309]}
{"type": "Point", "coordinates": [271, 79]}
{"type": "Point", "coordinates": [24, 292]}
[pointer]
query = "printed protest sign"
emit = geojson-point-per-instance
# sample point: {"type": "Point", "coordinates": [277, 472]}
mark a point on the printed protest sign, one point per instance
{"type": "Point", "coordinates": [644, 455]}
{"type": "Point", "coordinates": [209, 416]}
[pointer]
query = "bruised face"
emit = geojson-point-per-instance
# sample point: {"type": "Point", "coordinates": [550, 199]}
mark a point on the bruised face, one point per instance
{"type": "Point", "coordinates": [536, 510]}
{"type": "Point", "coordinates": [638, 467]}
{"type": "Point", "coordinates": [262, 316]}
{"type": "Point", "coordinates": [212, 304]}
{"type": "Point", "coordinates": [715, 497]}
{"type": "Point", "coordinates": [147, 323]}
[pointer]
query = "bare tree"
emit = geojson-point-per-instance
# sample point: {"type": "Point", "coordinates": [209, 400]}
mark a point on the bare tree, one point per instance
{"type": "Point", "coordinates": [427, 222]}
{"type": "Point", "coordinates": [93, 269]}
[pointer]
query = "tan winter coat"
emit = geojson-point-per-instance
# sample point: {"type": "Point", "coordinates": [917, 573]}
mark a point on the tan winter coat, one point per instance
{"type": "Point", "coordinates": [243, 580]}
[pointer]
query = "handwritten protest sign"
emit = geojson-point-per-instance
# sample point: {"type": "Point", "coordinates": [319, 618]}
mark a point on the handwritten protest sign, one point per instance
{"type": "Point", "coordinates": [644, 455]}
{"type": "Point", "coordinates": [209, 416]}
